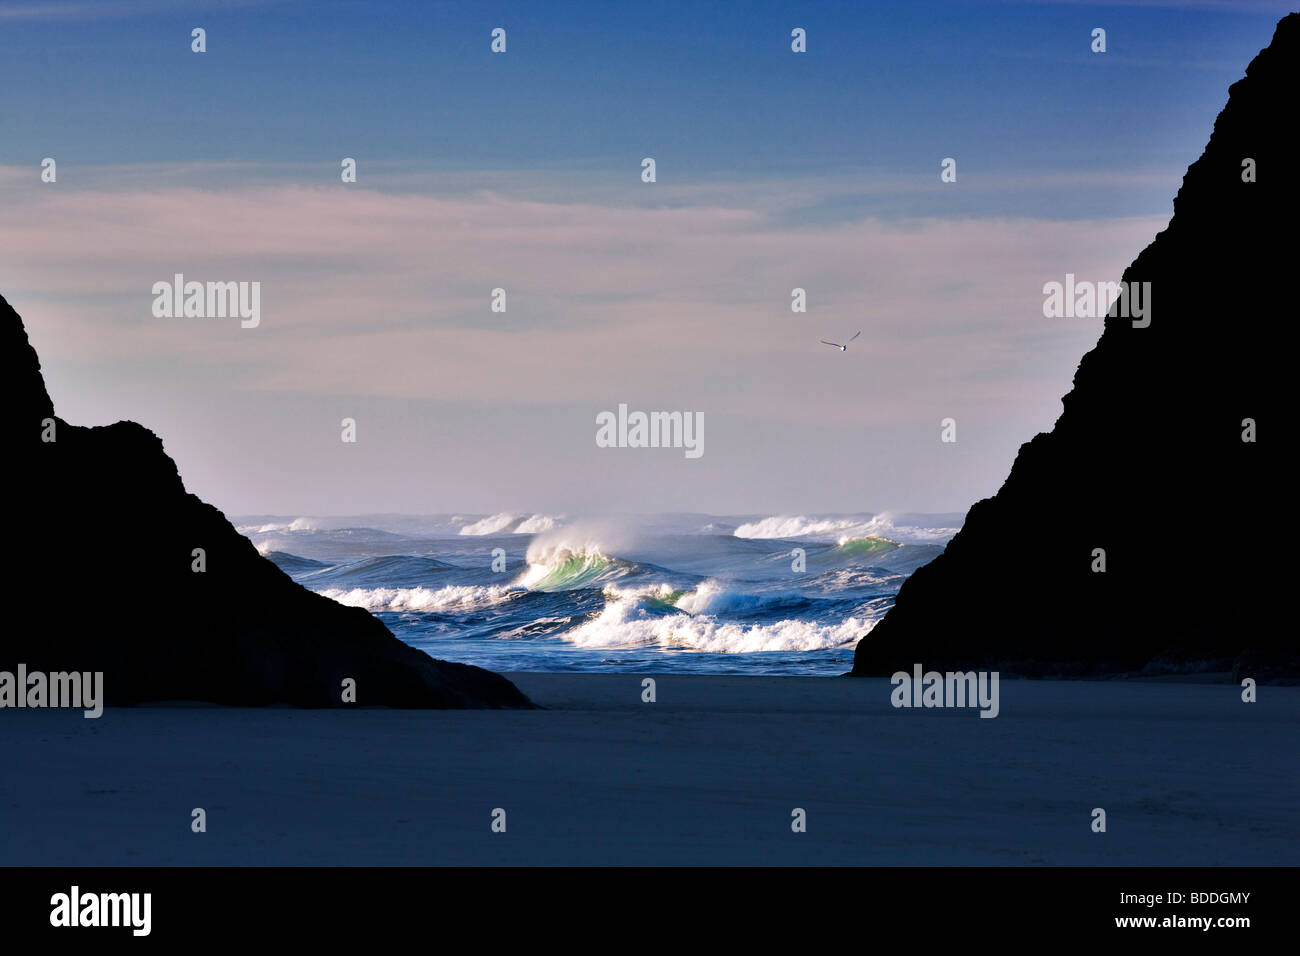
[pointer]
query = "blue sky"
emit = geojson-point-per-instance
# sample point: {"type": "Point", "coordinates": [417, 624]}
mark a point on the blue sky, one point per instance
{"type": "Point", "coordinates": [522, 170]}
{"type": "Point", "coordinates": [709, 88]}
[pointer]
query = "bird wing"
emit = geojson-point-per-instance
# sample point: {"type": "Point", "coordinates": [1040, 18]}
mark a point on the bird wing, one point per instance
{"type": "Point", "coordinates": [856, 334]}
{"type": "Point", "coordinates": [824, 342]}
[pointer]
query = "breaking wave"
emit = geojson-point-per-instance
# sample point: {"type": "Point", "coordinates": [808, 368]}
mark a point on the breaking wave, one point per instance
{"type": "Point", "coordinates": [685, 592]}
{"type": "Point", "coordinates": [506, 523]}
{"type": "Point", "coordinates": [559, 567]}
{"type": "Point", "coordinates": [842, 529]}
{"type": "Point", "coordinates": [420, 599]}
{"type": "Point", "coordinates": [632, 619]}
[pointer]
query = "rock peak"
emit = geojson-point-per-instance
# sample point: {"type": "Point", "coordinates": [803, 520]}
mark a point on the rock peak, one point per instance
{"type": "Point", "coordinates": [1148, 462]}
{"type": "Point", "coordinates": [101, 558]}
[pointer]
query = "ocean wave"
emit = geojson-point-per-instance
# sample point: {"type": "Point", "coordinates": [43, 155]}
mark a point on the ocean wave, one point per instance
{"type": "Point", "coordinates": [536, 524]}
{"type": "Point", "coordinates": [558, 568]}
{"type": "Point", "coordinates": [854, 579]}
{"type": "Point", "coordinates": [871, 544]}
{"type": "Point", "coordinates": [843, 528]}
{"type": "Point", "coordinates": [626, 622]}
{"type": "Point", "coordinates": [713, 597]}
{"type": "Point", "coordinates": [279, 527]}
{"type": "Point", "coordinates": [506, 523]}
{"type": "Point", "coordinates": [795, 526]}
{"type": "Point", "coordinates": [492, 524]}
{"type": "Point", "coordinates": [459, 597]}
{"type": "Point", "coordinates": [291, 563]}
{"type": "Point", "coordinates": [390, 571]}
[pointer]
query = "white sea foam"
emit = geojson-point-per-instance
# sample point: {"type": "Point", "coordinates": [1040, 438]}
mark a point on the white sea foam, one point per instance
{"type": "Point", "coordinates": [795, 526]}
{"type": "Point", "coordinates": [280, 527]}
{"type": "Point", "coordinates": [558, 563]}
{"type": "Point", "coordinates": [619, 625]}
{"type": "Point", "coordinates": [420, 599]}
{"type": "Point", "coordinates": [492, 524]}
{"type": "Point", "coordinates": [625, 622]}
{"type": "Point", "coordinates": [506, 523]}
{"type": "Point", "coordinates": [536, 524]}
{"type": "Point", "coordinates": [842, 528]}
{"type": "Point", "coordinates": [713, 597]}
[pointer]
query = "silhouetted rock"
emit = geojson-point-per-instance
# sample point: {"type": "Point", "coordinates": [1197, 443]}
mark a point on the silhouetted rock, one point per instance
{"type": "Point", "coordinates": [99, 578]}
{"type": "Point", "coordinates": [1147, 459]}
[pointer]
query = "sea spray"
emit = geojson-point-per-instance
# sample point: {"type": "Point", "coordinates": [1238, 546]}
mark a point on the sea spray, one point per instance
{"type": "Point", "coordinates": [674, 593]}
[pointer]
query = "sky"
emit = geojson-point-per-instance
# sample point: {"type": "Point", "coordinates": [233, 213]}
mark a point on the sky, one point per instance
{"type": "Point", "coordinates": [522, 171]}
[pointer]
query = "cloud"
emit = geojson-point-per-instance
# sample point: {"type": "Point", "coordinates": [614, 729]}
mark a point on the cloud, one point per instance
{"type": "Point", "coordinates": [376, 304]}
{"type": "Point", "coordinates": [367, 293]}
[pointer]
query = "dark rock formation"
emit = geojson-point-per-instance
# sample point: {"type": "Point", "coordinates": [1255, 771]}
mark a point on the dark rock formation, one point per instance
{"type": "Point", "coordinates": [98, 573]}
{"type": "Point", "coordinates": [1147, 459]}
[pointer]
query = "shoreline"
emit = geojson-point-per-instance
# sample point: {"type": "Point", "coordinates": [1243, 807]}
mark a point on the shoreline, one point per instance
{"type": "Point", "coordinates": [709, 774]}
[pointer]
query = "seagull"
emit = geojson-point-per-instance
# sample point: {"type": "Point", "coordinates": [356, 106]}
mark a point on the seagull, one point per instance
{"type": "Point", "coordinates": [842, 348]}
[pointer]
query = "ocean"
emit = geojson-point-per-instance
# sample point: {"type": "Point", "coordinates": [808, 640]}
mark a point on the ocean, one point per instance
{"type": "Point", "coordinates": [667, 593]}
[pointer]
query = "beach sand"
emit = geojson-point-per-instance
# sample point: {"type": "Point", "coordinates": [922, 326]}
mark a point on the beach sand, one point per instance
{"type": "Point", "coordinates": [708, 774]}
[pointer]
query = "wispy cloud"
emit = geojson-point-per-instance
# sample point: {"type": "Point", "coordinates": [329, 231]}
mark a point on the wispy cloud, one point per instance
{"type": "Point", "coordinates": [375, 304]}
{"type": "Point", "coordinates": [387, 294]}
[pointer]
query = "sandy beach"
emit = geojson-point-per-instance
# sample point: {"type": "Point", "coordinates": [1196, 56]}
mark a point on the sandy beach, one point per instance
{"type": "Point", "coordinates": [708, 774]}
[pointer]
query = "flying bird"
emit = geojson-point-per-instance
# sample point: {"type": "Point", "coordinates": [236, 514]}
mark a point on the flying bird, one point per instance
{"type": "Point", "coordinates": [842, 348]}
